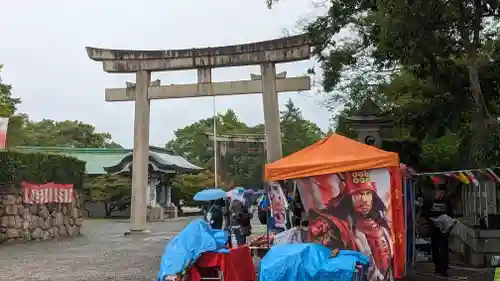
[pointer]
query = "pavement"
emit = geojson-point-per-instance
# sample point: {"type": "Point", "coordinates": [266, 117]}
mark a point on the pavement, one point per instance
{"type": "Point", "coordinates": [103, 253]}
{"type": "Point", "coordinates": [426, 271]}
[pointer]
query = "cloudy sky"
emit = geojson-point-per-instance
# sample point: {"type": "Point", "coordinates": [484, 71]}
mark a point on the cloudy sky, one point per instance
{"type": "Point", "coordinates": [42, 47]}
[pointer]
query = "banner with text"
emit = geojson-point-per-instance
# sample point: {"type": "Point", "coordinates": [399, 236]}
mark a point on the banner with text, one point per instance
{"type": "Point", "coordinates": [361, 211]}
{"type": "Point", "coordinates": [47, 193]}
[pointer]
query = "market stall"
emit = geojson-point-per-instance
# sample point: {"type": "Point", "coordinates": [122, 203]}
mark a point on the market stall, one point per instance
{"type": "Point", "coordinates": [353, 196]}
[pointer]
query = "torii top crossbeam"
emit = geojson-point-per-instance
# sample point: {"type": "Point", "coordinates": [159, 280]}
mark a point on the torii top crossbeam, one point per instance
{"type": "Point", "coordinates": [281, 50]}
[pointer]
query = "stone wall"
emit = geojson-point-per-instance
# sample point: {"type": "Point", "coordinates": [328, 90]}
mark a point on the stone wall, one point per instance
{"type": "Point", "coordinates": [25, 222]}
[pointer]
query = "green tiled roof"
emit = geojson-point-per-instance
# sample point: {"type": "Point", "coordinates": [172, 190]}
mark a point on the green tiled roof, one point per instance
{"type": "Point", "coordinates": [99, 158]}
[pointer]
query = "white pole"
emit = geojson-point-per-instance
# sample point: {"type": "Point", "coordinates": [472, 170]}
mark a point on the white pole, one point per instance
{"type": "Point", "coordinates": [216, 180]}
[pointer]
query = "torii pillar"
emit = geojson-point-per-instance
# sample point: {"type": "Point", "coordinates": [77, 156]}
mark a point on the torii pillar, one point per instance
{"type": "Point", "coordinates": [265, 53]}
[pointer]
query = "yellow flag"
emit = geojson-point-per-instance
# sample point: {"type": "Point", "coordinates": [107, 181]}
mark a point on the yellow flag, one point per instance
{"type": "Point", "coordinates": [463, 178]}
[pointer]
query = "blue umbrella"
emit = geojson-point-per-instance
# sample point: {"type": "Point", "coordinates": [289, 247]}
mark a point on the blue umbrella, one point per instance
{"type": "Point", "coordinates": [249, 191]}
{"type": "Point", "coordinates": [210, 194]}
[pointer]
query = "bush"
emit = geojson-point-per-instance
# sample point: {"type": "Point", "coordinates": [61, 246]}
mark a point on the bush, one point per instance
{"type": "Point", "coordinates": [40, 168]}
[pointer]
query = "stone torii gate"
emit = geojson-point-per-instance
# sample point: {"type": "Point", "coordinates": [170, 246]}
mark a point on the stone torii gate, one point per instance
{"type": "Point", "coordinates": [265, 53]}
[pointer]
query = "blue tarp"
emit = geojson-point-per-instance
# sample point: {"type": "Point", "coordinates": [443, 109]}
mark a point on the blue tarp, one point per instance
{"type": "Point", "coordinates": [185, 248]}
{"type": "Point", "coordinates": [308, 262]}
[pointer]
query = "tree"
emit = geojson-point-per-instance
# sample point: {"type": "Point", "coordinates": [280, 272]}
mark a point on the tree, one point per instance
{"type": "Point", "coordinates": [63, 133]}
{"type": "Point", "coordinates": [191, 142]}
{"type": "Point", "coordinates": [8, 108]}
{"type": "Point", "coordinates": [184, 188]}
{"type": "Point", "coordinates": [113, 145]}
{"type": "Point", "coordinates": [246, 170]}
{"type": "Point", "coordinates": [297, 133]}
{"type": "Point", "coordinates": [427, 63]}
{"type": "Point", "coordinates": [114, 191]}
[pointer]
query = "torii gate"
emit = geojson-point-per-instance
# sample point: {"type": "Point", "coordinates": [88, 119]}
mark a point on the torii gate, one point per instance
{"type": "Point", "coordinates": [265, 53]}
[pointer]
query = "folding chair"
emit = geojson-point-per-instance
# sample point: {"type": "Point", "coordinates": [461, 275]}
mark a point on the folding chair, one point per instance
{"type": "Point", "coordinates": [210, 273]}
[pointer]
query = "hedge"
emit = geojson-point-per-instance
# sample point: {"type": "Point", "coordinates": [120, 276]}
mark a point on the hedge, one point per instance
{"type": "Point", "coordinates": [39, 168]}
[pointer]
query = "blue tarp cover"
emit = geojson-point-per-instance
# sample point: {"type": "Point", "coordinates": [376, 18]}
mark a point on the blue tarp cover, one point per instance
{"type": "Point", "coordinates": [308, 262]}
{"type": "Point", "coordinates": [185, 248]}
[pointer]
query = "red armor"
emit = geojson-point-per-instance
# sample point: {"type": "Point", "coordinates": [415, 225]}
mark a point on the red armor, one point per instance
{"type": "Point", "coordinates": [319, 227]}
{"type": "Point", "coordinates": [378, 241]}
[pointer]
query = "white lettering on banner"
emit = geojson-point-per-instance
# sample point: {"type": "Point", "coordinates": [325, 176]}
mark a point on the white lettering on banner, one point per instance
{"type": "Point", "coordinates": [47, 193]}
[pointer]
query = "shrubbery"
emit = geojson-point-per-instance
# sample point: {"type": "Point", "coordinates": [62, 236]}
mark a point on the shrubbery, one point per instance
{"type": "Point", "coordinates": [40, 168]}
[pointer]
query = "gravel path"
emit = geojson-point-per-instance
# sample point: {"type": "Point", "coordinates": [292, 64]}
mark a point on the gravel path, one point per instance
{"type": "Point", "coordinates": [102, 253]}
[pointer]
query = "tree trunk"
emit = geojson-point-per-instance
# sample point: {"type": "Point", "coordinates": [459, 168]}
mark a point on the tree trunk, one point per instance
{"type": "Point", "coordinates": [480, 116]}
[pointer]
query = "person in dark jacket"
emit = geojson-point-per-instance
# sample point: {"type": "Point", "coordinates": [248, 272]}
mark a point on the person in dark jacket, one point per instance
{"type": "Point", "coordinates": [433, 208]}
{"type": "Point", "coordinates": [215, 214]}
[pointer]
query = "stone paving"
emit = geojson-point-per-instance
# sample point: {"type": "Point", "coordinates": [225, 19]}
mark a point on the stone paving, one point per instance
{"type": "Point", "coordinates": [104, 253]}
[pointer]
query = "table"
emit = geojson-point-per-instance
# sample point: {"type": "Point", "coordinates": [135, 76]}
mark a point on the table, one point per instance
{"type": "Point", "coordinates": [237, 265]}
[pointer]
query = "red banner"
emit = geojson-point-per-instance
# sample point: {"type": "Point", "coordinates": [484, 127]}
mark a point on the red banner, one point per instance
{"type": "Point", "coordinates": [4, 123]}
{"type": "Point", "coordinates": [361, 211]}
{"type": "Point", "coordinates": [47, 193]}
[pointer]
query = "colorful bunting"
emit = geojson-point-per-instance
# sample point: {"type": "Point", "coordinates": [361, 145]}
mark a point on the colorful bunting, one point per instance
{"type": "Point", "coordinates": [436, 179]}
{"type": "Point", "coordinates": [465, 176]}
{"type": "Point", "coordinates": [490, 174]}
{"type": "Point", "coordinates": [472, 178]}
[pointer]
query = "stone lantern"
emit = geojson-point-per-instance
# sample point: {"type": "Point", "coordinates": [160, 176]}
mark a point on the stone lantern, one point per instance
{"type": "Point", "coordinates": [369, 124]}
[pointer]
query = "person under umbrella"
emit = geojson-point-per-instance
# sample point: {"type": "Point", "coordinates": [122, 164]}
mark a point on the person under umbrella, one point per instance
{"type": "Point", "coordinates": [215, 213]}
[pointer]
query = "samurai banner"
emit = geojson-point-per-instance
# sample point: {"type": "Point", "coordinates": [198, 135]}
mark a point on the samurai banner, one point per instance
{"type": "Point", "coordinates": [361, 211]}
{"type": "Point", "coordinates": [4, 123]}
{"type": "Point", "coordinates": [47, 193]}
{"type": "Point", "coordinates": [279, 205]}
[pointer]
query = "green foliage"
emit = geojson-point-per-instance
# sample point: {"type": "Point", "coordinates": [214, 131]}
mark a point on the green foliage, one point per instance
{"type": "Point", "coordinates": [62, 133]}
{"type": "Point", "coordinates": [8, 104]}
{"type": "Point", "coordinates": [297, 132]}
{"type": "Point", "coordinates": [114, 191]}
{"type": "Point", "coordinates": [184, 187]}
{"type": "Point", "coordinates": [442, 153]}
{"type": "Point", "coordinates": [23, 132]}
{"type": "Point", "coordinates": [40, 168]}
{"type": "Point", "coordinates": [191, 142]}
{"type": "Point", "coordinates": [246, 170]}
{"type": "Point", "coordinates": [433, 65]}
{"type": "Point", "coordinates": [8, 108]}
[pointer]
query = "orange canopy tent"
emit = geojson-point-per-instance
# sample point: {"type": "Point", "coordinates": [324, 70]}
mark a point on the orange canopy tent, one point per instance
{"type": "Point", "coordinates": [333, 154]}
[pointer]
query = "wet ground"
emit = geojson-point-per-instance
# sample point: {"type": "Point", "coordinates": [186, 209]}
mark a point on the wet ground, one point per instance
{"type": "Point", "coordinates": [104, 253]}
{"type": "Point", "coordinates": [425, 271]}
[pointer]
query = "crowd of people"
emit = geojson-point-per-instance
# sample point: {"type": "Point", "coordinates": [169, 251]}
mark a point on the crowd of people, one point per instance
{"type": "Point", "coordinates": [232, 214]}
{"type": "Point", "coordinates": [235, 213]}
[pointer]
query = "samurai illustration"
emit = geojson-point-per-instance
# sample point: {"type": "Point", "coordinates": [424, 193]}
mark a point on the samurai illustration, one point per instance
{"type": "Point", "coordinates": [356, 219]}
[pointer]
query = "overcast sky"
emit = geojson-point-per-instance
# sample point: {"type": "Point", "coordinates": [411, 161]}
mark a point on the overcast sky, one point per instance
{"type": "Point", "coordinates": [42, 47]}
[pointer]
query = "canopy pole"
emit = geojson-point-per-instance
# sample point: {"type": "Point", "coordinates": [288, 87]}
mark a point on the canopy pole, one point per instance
{"type": "Point", "coordinates": [215, 117]}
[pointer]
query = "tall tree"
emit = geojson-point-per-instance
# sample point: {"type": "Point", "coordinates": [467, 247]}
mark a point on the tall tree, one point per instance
{"type": "Point", "coordinates": [436, 52]}
{"type": "Point", "coordinates": [297, 132]}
